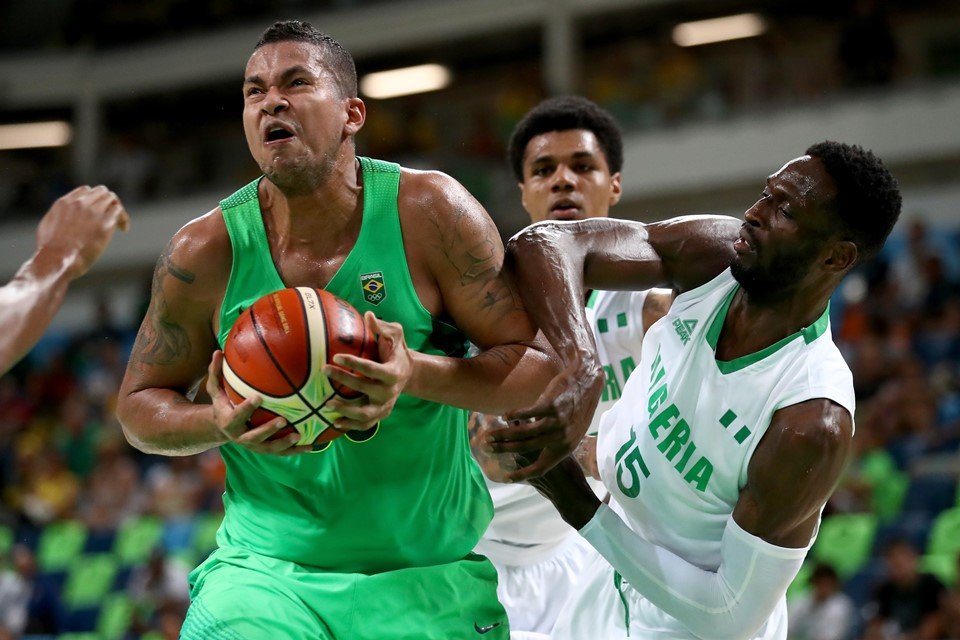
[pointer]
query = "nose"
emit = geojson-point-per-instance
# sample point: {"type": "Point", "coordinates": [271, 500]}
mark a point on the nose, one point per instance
{"type": "Point", "coordinates": [563, 179]}
{"type": "Point", "coordinates": [274, 102]}
{"type": "Point", "coordinates": [754, 215]}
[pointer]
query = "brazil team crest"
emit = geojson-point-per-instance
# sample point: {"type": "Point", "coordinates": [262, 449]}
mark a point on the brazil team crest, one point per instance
{"type": "Point", "coordinates": [374, 290]}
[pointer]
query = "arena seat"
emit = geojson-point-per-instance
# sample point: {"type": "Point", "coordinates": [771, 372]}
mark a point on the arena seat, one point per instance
{"type": "Point", "coordinates": [59, 544]}
{"type": "Point", "coordinates": [89, 580]}
{"type": "Point", "coordinates": [845, 541]}
{"type": "Point", "coordinates": [136, 538]}
{"type": "Point", "coordinates": [116, 613]}
{"type": "Point", "coordinates": [945, 534]}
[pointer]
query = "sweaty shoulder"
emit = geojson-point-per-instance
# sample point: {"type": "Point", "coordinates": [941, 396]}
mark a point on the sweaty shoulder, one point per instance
{"type": "Point", "coordinates": [200, 254]}
{"type": "Point", "coordinates": [448, 236]}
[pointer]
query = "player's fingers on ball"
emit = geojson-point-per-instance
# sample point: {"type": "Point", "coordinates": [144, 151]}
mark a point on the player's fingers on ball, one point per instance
{"type": "Point", "coordinates": [368, 368]}
{"type": "Point", "coordinates": [214, 372]}
{"type": "Point", "coordinates": [268, 430]}
{"type": "Point", "coordinates": [355, 381]}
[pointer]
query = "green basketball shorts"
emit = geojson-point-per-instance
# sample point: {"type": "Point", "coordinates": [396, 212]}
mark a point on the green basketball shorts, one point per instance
{"type": "Point", "coordinates": [239, 595]}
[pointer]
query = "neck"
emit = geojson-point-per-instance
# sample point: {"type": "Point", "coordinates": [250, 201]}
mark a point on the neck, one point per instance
{"type": "Point", "coordinates": [330, 209]}
{"type": "Point", "coordinates": [752, 325]}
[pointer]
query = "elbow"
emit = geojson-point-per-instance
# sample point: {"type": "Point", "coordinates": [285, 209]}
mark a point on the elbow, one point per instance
{"type": "Point", "coordinates": [538, 237]}
{"type": "Point", "coordinates": [126, 416]}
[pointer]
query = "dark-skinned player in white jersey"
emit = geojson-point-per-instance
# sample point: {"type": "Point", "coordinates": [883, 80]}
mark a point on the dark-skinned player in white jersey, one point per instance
{"type": "Point", "coordinates": [734, 429]}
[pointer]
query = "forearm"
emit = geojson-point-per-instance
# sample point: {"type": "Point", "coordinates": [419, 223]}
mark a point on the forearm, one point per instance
{"type": "Point", "coordinates": [29, 302]}
{"type": "Point", "coordinates": [547, 261]}
{"type": "Point", "coordinates": [495, 382]}
{"type": "Point", "coordinates": [165, 422]}
{"type": "Point", "coordinates": [732, 602]}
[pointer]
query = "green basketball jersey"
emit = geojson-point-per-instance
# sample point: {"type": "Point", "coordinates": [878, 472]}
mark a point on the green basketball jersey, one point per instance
{"type": "Point", "coordinates": [409, 496]}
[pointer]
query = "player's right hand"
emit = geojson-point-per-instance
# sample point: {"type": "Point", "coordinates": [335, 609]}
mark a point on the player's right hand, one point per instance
{"type": "Point", "coordinates": [232, 419]}
{"type": "Point", "coordinates": [79, 226]}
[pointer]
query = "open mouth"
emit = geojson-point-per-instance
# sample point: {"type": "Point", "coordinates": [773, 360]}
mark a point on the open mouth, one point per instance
{"type": "Point", "coordinates": [564, 210]}
{"type": "Point", "coordinates": [278, 134]}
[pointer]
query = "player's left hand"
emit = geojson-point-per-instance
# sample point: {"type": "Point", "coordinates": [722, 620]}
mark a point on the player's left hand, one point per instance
{"type": "Point", "coordinates": [552, 428]}
{"type": "Point", "coordinates": [380, 382]}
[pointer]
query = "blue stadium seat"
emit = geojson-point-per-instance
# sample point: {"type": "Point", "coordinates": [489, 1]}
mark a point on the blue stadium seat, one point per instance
{"type": "Point", "coordinates": [912, 526]}
{"type": "Point", "coordinates": [932, 494]}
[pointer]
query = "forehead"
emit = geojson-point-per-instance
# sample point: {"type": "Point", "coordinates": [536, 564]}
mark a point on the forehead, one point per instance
{"type": "Point", "coordinates": [562, 144]}
{"type": "Point", "coordinates": [806, 181]}
{"type": "Point", "coordinates": [279, 56]}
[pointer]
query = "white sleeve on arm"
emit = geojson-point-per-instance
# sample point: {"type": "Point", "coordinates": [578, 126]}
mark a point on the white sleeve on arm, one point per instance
{"type": "Point", "coordinates": [733, 602]}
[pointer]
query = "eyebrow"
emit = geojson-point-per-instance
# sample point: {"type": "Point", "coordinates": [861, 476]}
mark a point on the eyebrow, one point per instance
{"type": "Point", "coordinates": [286, 75]}
{"type": "Point", "coordinates": [576, 156]}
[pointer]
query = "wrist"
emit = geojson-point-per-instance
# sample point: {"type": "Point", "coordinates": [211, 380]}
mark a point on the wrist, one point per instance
{"type": "Point", "coordinates": [51, 263]}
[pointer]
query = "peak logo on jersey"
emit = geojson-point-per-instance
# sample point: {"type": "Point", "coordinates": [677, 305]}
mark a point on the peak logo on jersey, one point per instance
{"type": "Point", "coordinates": [684, 329]}
{"type": "Point", "coordinates": [374, 290]}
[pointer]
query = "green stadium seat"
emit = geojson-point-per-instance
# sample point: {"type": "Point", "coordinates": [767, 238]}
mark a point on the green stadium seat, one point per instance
{"type": "Point", "coordinates": [60, 544]}
{"type": "Point", "coordinates": [800, 584]}
{"type": "Point", "coordinates": [844, 541]}
{"type": "Point", "coordinates": [889, 484]}
{"type": "Point", "coordinates": [115, 617]}
{"type": "Point", "coordinates": [205, 533]}
{"type": "Point", "coordinates": [942, 565]}
{"type": "Point", "coordinates": [6, 539]}
{"type": "Point", "coordinates": [136, 538]}
{"type": "Point", "coordinates": [888, 495]}
{"type": "Point", "coordinates": [90, 579]}
{"type": "Point", "coordinates": [945, 534]}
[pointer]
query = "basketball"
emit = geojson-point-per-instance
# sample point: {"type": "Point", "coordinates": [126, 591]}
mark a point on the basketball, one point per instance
{"type": "Point", "coordinates": [277, 348]}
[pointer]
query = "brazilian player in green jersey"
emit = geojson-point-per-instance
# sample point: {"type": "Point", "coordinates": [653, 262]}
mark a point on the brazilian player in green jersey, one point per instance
{"type": "Point", "coordinates": [371, 537]}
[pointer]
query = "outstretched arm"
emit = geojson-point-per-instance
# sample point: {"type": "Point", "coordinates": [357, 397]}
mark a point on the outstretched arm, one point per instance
{"type": "Point", "coordinates": [70, 238]}
{"type": "Point", "coordinates": [793, 471]}
{"type": "Point", "coordinates": [554, 262]}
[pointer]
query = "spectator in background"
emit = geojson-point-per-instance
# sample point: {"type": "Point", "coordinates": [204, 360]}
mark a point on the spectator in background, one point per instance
{"type": "Point", "coordinates": [160, 584]}
{"type": "Point", "coordinates": [44, 610]}
{"type": "Point", "coordinates": [907, 601]}
{"type": "Point", "coordinates": [950, 608]}
{"type": "Point", "coordinates": [909, 270]}
{"type": "Point", "coordinates": [868, 50]}
{"type": "Point", "coordinates": [823, 613]}
{"type": "Point", "coordinates": [14, 598]}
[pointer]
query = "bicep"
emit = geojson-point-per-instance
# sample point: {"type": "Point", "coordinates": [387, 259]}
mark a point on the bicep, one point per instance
{"type": "Point", "coordinates": [793, 471]}
{"type": "Point", "coordinates": [478, 293]}
{"type": "Point", "coordinates": [175, 340]}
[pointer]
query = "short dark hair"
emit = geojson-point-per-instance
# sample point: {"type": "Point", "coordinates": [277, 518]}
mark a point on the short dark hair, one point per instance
{"type": "Point", "coordinates": [562, 114]}
{"type": "Point", "coordinates": [868, 197]}
{"type": "Point", "coordinates": [337, 59]}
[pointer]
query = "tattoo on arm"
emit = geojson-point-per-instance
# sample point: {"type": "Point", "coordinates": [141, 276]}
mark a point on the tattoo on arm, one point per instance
{"type": "Point", "coordinates": [477, 266]}
{"type": "Point", "coordinates": [161, 339]}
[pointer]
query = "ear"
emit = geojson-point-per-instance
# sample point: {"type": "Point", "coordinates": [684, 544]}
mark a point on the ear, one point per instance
{"type": "Point", "coordinates": [356, 116]}
{"type": "Point", "coordinates": [616, 188]}
{"type": "Point", "coordinates": [842, 256]}
{"type": "Point", "coordinates": [523, 196]}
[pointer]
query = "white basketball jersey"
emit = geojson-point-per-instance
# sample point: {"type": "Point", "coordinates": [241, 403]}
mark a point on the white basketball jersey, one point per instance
{"type": "Point", "coordinates": [526, 527]}
{"type": "Point", "coordinates": [674, 451]}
